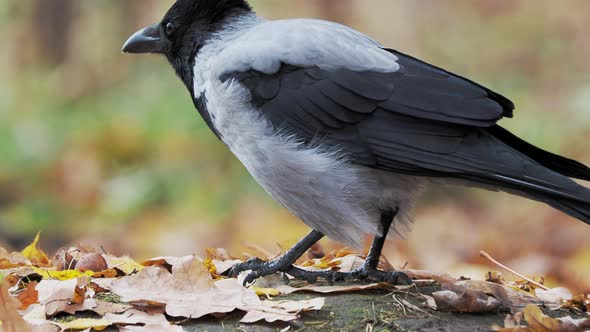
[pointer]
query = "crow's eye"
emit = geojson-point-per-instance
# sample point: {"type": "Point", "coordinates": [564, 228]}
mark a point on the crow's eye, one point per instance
{"type": "Point", "coordinates": [170, 29]}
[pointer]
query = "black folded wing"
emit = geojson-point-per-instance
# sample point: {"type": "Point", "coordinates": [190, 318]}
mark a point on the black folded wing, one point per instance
{"type": "Point", "coordinates": [419, 120]}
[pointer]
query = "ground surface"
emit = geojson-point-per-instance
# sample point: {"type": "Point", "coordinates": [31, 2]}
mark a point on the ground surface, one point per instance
{"type": "Point", "coordinates": [377, 310]}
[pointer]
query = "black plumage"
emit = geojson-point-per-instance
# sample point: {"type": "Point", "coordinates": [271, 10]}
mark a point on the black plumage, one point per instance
{"type": "Point", "coordinates": [419, 120]}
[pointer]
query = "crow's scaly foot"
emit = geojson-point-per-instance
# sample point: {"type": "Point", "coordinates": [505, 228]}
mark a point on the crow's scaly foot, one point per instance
{"type": "Point", "coordinates": [362, 273]}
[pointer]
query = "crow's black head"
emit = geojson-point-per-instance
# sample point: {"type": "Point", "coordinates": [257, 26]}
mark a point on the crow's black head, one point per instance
{"type": "Point", "coordinates": [183, 30]}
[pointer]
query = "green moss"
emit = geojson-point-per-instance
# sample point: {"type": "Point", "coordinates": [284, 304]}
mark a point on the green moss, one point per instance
{"type": "Point", "coordinates": [108, 297]}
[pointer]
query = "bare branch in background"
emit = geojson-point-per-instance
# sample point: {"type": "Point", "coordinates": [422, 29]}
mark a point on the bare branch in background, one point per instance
{"type": "Point", "coordinates": [52, 21]}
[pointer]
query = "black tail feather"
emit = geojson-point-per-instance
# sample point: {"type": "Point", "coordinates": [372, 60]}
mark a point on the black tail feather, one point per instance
{"type": "Point", "coordinates": [575, 209]}
{"type": "Point", "coordinates": [556, 163]}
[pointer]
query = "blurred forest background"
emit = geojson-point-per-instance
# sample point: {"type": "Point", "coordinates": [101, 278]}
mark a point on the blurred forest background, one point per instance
{"type": "Point", "coordinates": [106, 149]}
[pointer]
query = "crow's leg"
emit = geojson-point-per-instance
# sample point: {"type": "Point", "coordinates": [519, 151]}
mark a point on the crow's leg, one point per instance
{"type": "Point", "coordinates": [262, 268]}
{"type": "Point", "coordinates": [368, 270]}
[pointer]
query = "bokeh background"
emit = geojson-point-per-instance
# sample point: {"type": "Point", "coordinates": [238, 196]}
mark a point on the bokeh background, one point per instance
{"type": "Point", "coordinates": [102, 148]}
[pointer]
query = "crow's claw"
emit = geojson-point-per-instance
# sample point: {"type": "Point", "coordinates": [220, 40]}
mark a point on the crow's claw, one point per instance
{"type": "Point", "coordinates": [363, 273]}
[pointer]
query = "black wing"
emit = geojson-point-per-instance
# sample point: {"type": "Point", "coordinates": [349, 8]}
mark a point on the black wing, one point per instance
{"type": "Point", "coordinates": [420, 120]}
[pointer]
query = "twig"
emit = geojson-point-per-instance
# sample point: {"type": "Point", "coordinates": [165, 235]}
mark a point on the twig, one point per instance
{"type": "Point", "coordinates": [491, 259]}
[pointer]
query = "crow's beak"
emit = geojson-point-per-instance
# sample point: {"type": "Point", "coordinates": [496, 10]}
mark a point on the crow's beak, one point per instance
{"type": "Point", "coordinates": [147, 40]}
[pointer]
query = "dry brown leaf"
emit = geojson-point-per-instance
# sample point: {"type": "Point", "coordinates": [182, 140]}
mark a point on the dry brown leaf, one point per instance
{"type": "Point", "coordinates": [167, 261]}
{"type": "Point", "coordinates": [513, 321]}
{"type": "Point", "coordinates": [134, 317]}
{"type": "Point", "coordinates": [12, 260]}
{"type": "Point", "coordinates": [28, 296]}
{"type": "Point", "coordinates": [59, 296]}
{"type": "Point", "coordinates": [219, 254]}
{"type": "Point", "coordinates": [102, 308]}
{"type": "Point", "coordinates": [468, 301]}
{"type": "Point", "coordinates": [11, 320]}
{"type": "Point", "coordinates": [165, 327]}
{"type": "Point", "coordinates": [223, 266]}
{"type": "Point", "coordinates": [430, 302]}
{"type": "Point", "coordinates": [581, 302]}
{"type": "Point", "coordinates": [189, 291]}
{"type": "Point", "coordinates": [478, 292]}
{"type": "Point", "coordinates": [554, 295]}
{"type": "Point", "coordinates": [101, 284]}
{"type": "Point", "coordinates": [271, 311]}
{"type": "Point", "coordinates": [539, 322]}
{"type": "Point", "coordinates": [495, 277]}
{"type": "Point", "coordinates": [426, 275]}
{"type": "Point", "coordinates": [37, 320]}
{"type": "Point", "coordinates": [285, 289]}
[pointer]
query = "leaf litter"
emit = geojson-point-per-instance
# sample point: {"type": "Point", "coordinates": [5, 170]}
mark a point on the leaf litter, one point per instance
{"type": "Point", "coordinates": [154, 294]}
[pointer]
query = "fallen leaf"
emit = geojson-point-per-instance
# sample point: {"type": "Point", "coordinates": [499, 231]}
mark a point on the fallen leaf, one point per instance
{"type": "Point", "coordinates": [223, 266]}
{"type": "Point", "coordinates": [28, 296]}
{"type": "Point", "coordinates": [102, 284]}
{"type": "Point", "coordinates": [495, 277]}
{"type": "Point", "coordinates": [108, 273]}
{"type": "Point", "coordinates": [125, 264]}
{"type": "Point", "coordinates": [284, 289]}
{"type": "Point", "coordinates": [83, 324]}
{"type": "Point", "coordinates": [35, 317]}
{"type": "Point", "coordinates": [102, 308]}
{"type": "Point", "coordinates": [34, 254]}
{"type": "Point", "coordinates": [581, 302]}
{"type": "Point", "coordinates": [12, 260]}
{"type": "Point", "coordinates": [540, 322]}
{"type": "Point", "coordinates": [468, 301]}
{"type": "Point", "coordinates": [219, 254]}
{"type": "Point", "coordinates": [61, 275]}
{"type": "Point", "coordinates": [554, 295]}
{"type": "Point", "coordinates": [477, 292]}
{"type": "Point", "coordinates": [58, 296]}
{"type": "Point", "coordinates": [134, 317]}
{"type": "Point", "coordinates": [169, 261]}
{"type": "Point", "coordinates": [11, 320]}
{"type": "Point", "coordinates": [165, 327]}
{"type": "Point", "coordinates": [189, 291]}
{"type": "Point", "coordinates": [265, 291]}
{"type": "Point", "coordinates": [271, 311]}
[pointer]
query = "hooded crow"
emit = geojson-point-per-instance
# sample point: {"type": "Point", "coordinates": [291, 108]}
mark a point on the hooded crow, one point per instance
{"type": "Point", "coordinates": [344, 132]}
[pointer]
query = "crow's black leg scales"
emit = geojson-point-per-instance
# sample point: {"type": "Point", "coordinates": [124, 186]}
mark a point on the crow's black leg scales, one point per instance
{"type": "Point", "coordinates": [284, 263]}
{"type": "Point", "coordinates": [262, 268]}
{"type": "Point", "coordinates": [369, 269]}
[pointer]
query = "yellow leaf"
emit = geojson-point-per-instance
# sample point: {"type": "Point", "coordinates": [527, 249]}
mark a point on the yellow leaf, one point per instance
{"type": "Point", "coordinates": [125, 264]}
{"type": "Point", "coordinates": [62, 275]}
{"type": "Point", "coordinates": [34, 254]}
{"type": "Point", "coordinates": [538, 321]}
{"type": "Point", "coordinates": [210, 266]}
{"type": "Point", "coordinates": [266, 291]}
{"type": "Point", "coordinates": [85, 323]}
